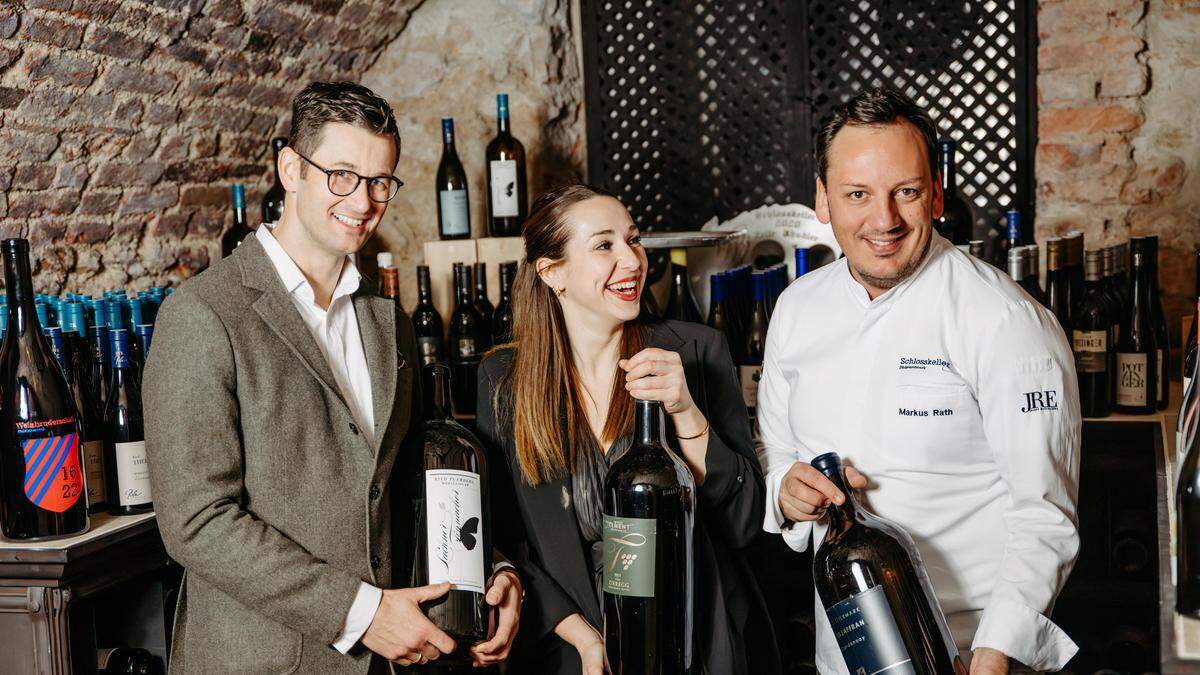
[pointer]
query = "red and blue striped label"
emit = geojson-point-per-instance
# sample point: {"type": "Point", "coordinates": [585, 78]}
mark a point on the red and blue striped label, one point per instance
{"type": "Point", "coordinates": [53, 476]}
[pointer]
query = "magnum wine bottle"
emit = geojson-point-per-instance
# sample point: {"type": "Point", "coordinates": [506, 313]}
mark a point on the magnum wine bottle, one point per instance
{"type": "Point", "coordinates": [649, 512]}
{"type": "Point", "coordinates": [427, 323]}
{"type": "Point", "coordinates": [483, 305]}
{"type": "Point", "coordinates": [879, 602]}
{"type": "Point", "coordinates": [681, 305]}
{"type": "Point", "coordinates": [233, 236]}
{"type": "Point", "coordinates": [958, 221]}
{"type": "Point", "coordinates": [750, 370]}
{"type": "Point", "coordinates": [1187, 501]}
{"type": "Point", "coordinates": [1091, 335]}
{"type": "Point", "coordinates": [125, 456]}
{"type": "Point", "coordinates": [1137, 367]}
{"type": "Point", "coordinates": [502, 318]}
{"type": "Point", "coordinates": [452, 537]}
{"type": "Point", "coordinates": [1057, 285]}
{"type": "Point", "coordinates": [508, 201]}
{"type": "Point", "coordinates": [454, 217]}
{"type": "Point", "coordinates": [42, 492]}
{"type": "Point", "coordinates": [465, 343]}
{"type": "Point", "coordinates": [272, 201]}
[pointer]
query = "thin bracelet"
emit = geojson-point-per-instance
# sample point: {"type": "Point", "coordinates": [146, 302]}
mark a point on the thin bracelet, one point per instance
{"type": "Point", "coordinates": [689, 438]}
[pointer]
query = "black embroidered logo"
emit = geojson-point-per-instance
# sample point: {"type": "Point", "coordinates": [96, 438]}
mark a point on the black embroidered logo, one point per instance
{"type": "Point", "coordinates": [1040, 400]}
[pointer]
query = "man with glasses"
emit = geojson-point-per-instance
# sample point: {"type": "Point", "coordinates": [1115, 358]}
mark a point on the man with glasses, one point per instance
{"type": "Point", "coordinates": [279, 394]}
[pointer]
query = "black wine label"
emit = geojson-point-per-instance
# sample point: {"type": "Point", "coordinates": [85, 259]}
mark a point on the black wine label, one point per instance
{"type": "Point", "coordinates": [53, 475]}
{"type": "Point", "coordinates": [867, 634]}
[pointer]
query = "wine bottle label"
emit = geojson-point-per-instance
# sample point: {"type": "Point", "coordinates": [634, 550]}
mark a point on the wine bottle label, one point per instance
{"type": "Point", "coordinates": [1158, 371]}
{"type": "Point", "coordinates": [133, 474]}
{"type": "Point", "coordinates": [629, 545]}
{"type": "Point", "coordinates": [454, 528]}
{"type": "Point", "coordinates": [1091, 350]}
{"type": "Point", "coordinates": [428, 347]}
{"type": "Point", "coordinates": [53, 475]}
{"type": "Point", "coordinates": [1131, 379]}
{"type": "Point", "coordinates": [466, 347]}
{"type": "Point", "coordinates": [93, 464]}
{"type": "Point", "coordinates": [867, 634]}
{"type": "Point", "coordinates": [453, 204]}
{"type": "Point", "coordinates": [749, 376]}
{"type": "Point", "coordinates": [504, 188]}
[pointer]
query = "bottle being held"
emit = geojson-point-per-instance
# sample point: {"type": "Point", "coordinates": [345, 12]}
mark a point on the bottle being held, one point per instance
{"type": "Point", "coordinates": [1090, 339]}
{"type": "Point", "coordinates": [649, 514]}
{"type": "Point", "coordinates": [958, 221]}
{"type": "Point", "coordinates": [1137, 355]}
{"type": "Point", "coordinates": [872, 584]}
{"type": "Point", "coordinates": [42, 490]}
{"type": "Point", "coordinates": [272, 201]}
{"type": "Point", "coordinates": [454, 217]}
{"type": "Point", "coordinates": [125, 455]}
{"type": "Point", "coordinates": [427, 323]}
{"type": "Point", "coordinates": [241, 229]}
{"type": "Point", "coordinates": [508, 200]}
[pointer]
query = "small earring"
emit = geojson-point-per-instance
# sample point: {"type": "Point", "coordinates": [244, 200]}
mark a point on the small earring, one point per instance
{"type": "Point", "coordinates": [560, 292]}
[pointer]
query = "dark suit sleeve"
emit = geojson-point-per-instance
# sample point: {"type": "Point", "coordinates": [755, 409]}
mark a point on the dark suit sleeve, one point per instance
{"type": "Point", "coordinates": [546, 603]}
{"type": "Point", "coordinates": [195, 449]}
{"type": "Point", "coordinates": [732, 492]}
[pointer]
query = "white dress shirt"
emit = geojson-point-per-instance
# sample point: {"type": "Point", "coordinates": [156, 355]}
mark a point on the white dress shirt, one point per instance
{"type": "Point", "coordinates": [336, 333]}
{"type": "Point", "coordinates": [955, 394]}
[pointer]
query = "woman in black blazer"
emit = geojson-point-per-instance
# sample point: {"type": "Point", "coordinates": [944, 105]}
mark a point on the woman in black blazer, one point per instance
{"type": "Point", "coordinates": [557, 403]}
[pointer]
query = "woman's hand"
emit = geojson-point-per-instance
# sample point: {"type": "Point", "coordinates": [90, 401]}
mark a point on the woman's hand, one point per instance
{"type": "Point", "coordinates": [592, 656]}
{"type": "Point", "coordinates": [587, 641]}
{"type": "Point", "coordinates": [657, 375]}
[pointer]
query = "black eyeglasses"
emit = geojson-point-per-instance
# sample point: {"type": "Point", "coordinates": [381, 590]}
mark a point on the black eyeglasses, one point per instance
{"type": "Point", "coordinates": [343, 183]}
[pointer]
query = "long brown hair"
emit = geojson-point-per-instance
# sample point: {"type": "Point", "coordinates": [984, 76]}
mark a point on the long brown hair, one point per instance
{"type": "Point", "coordinates": [541, 386]}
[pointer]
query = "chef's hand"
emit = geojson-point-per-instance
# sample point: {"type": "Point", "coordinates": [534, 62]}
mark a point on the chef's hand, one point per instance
{"type": "Point", "coordinates": [504, 591]}
{"type": "Point", "coordinates": [657, 375]}
{"type": "Point", "coordinates": [987, 661]}
{"type": "Point", "coordinates": [806, 492]}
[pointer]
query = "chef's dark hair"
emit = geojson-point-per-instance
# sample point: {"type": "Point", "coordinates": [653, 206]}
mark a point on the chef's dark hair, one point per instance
{"type": "Point", "coordinates": [876, 107]}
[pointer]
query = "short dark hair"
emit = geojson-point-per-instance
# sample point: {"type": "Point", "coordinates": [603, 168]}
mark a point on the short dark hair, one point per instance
{"type": "Point", "coordinates": [876, 107]}
{"type": "Point", "coordinates": [322, 103]}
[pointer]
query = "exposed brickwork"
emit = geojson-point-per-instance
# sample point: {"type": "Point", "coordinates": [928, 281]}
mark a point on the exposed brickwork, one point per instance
{"type": "Point", "coordinates": [1119, 129]}
{"type": "Point", "coordinates": [122, 123]}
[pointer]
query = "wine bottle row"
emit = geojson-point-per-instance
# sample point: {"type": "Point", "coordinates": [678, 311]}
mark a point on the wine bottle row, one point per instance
{"type": "Point", "coordinates": [507, 196]}
{"type": "Point", "coordinates": [71, 409]}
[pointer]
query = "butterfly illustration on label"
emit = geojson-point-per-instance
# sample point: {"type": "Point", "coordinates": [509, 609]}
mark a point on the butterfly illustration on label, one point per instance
{"type": "Point", "coordinates": [508, 189]}
{"type": "Point", "coordinates": [467, 532]}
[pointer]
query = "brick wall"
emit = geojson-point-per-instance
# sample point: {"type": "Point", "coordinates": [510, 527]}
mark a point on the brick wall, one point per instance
{"type": "Point", "coordinates": [1119, 129]}
{"type": "Point", "coordinates": [122, 124]}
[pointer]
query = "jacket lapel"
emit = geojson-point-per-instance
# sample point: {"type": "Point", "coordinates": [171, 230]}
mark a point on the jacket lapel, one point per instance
{"type": "Point", "coordinates": [377, 326]}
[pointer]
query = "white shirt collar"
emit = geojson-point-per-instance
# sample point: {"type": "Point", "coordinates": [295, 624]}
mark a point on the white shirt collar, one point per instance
{"type": "Point", "coordinates": [934, 249]}
{"type": "Point", "coordinates": [293, 279]}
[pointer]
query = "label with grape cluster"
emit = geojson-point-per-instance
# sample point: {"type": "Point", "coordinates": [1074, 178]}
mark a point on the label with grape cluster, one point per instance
{"type": "Point", "coordinates": [53, 474]}
{"type": "Point", "coordinates": [629, 556]}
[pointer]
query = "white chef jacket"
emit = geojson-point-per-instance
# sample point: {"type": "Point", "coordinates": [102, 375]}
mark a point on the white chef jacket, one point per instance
{"type": "Point", "coordinates": [955, 394]}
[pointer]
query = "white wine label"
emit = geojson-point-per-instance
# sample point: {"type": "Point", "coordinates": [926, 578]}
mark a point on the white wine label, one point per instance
{"type": "Point", "coordinates": [867, 634]}
{"type": "Point", "coordinates": [53, 476]}
{"type": "Point", "coordinates": [428, 347]}
{"type": "Point", "coordinates": [453, 205]}
{"type": "Point", "coordinates": [1091, 350]}
{"type": "Point", "coordinates": [750, 375]}
{"type": "Point", "coordinates": [629, 545]}
{"type": "Point", "coordinates": [93, 464]}
{"type": "Point", "coordinates": [454, 529]}
{"type": "Point", "coordinates": [1131, 379]}
{"type": "Point", "coordinates": [504, 188]}
{"type": "Point", "coordinates": [1158, 372]}
{"type": "Point", "coordinates": [133, 474]}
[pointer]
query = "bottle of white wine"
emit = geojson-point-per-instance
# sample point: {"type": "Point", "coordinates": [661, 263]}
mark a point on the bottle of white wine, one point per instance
{"type": "Point", "coordinates": [876, 595]}
{"type": "Point", "coordinates": [508, 202]}
{"type": "Point", "coordinates": [454, 217]}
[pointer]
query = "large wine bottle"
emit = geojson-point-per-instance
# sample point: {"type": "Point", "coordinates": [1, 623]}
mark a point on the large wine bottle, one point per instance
{"type": "Point", "coordinates": [42, 491]}
{"type": "Point", "coordinates": [502, 318]}
{"type": "Point", "coordinates": [452, 537]}
{"type": "Point", "coordinates": [958, 221]}
{"type": "Point", "coordinates": [241, 229]}
{"type": "Point", "coordinates": [1137, 367]}
{"type": "Point", "coordinates": [1091, 339]}
{"type": "Point", "coordinates": [879, 602]}
{"type": "Point", "coordinates": [508, 202]}
{"type": "Point", "coordinates": [649, 512]}
{"type": "Point", "coordinates": [427, 323]}
{"type": "Point", "coordinates": [125, 457]}
{"type": "Point", "coordinates": [1187, 500]}
{"type": "Point", "coordinates": [272, 201]}
{"type": "Point", "coordinates": [465, 343]}
{"type": "Point", "coordinates": [750, 369]}
{"type": "Point", "coordinates": [454, 216]}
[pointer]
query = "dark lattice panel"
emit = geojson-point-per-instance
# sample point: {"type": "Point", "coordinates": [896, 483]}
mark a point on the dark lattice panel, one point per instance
{"type": "Point", "coordinates": [708, 107]}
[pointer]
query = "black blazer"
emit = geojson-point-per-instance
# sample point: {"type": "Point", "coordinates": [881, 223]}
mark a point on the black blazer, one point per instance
{"type": "Point", "coordinates": [538, 528]}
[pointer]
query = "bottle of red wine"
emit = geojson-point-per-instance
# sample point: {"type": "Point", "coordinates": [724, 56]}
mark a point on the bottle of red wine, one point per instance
{"type": "Point", "coordinates": [427, 323]}
{"type": "Point", "coordinates": [91, 424]}
{"type": "Point", "coordinates": [128, 661]}
{"type": "Point", "coordinates": [98, 363]}
{"type": "Point", "coordinates": [465, 342]}
{"type": "Point", "coordinates": [750, 369]}
{"type": "Point", "coordinates": [125, 456]}
{"type": "Point", "coordinates": [42, 492]}
{"type": "Point", "coordinates": [1057, 284]}
{"type": "Point", "coordinates": [875, 592]}
{"type": "Point", "coordinates": [716, 304]}
{"type": "Point", "coordinates": [681, 305]}
{"type": "Point", "coordinates": [272, 201]}
{"type": "Point", "coordinates": [389, 285]}
{"type": "Point", "coordinates": [1187, 501]}
{"type": "Point", "coordinates": [507, 197]}
{"type": "Point", "coordinates": [1137, 367]}
{"type": "Point", "coordinates": [502, 318]}
{"type": "Point", "coordinates": [958, 221]}
{"type": "Point", "coordinates": [1162, 337]}
{"type": "Point", "coordinates": [649, 512]}
{"type": "Point", "coordinates": [1091, 340]}
{"type": "Point", "coordinates": [451, 540]}
{"type": "Point", "coordinates": [1073, 268]}
{"type": "Point", "coordinates": [241, 229]}
{"type": "Point", "coordinates": [454, 216]}
{"type": "Point", "coordinates": [483, 305]}
{"type": "Point", "coordinates": [1033, 274]}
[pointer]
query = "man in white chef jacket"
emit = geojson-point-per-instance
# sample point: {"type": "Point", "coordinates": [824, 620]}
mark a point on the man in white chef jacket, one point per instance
{"type": "Point", "coordinates": [950, 391]}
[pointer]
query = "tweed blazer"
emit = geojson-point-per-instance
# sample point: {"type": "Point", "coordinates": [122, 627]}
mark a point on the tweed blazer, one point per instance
{"type": "Point", "coordinates": [265, 489]}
